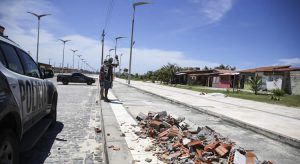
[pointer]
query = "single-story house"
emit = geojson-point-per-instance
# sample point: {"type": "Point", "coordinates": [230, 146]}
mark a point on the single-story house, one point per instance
{"type": "Point", "coordinates": [273, 77]}
{"type": "Point", "coordinates": [216, 78]}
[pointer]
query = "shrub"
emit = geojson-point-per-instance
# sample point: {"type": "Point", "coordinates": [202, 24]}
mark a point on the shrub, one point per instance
{"type": "Point", "coordinates": [278, 92]}
{"type": "Point", "coordinates": [255, 83]}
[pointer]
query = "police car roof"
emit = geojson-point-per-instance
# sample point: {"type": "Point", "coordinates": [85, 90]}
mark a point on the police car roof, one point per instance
{"type": "Point", "coordinates": [7, 40]}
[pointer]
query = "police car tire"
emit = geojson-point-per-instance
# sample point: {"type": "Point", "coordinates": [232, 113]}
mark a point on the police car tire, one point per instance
{"type": "Point", "coordinates": [9, 149]}
{"type": "Point", "coordinates": [89, 83]}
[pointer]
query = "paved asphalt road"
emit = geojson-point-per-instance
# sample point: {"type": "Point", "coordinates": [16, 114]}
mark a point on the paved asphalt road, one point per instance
{"type": "Point", "coordinates": [136, 101]}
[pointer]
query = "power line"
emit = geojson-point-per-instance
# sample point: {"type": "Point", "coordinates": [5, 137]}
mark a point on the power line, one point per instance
{"type": "Point", "coordinates": [109, 14]}
{"type": "Point", "coordinates": [110, 37]}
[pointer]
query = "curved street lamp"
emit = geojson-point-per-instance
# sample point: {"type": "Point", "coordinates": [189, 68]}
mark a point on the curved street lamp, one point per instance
{"type": "Point", "coordinates": [64, 42]}
{"type": "Point", "coordinates": [78, 60]}
{"type": "Point", "coordinates": [109, 52]}
{"type": "Point", "coordinates": [134, 5]}
{"type": "Point", "coordinates": [117, 38]}
{"type": "Point", "coordinates": [73, 56]}
{"type": "Point", "coordinates": [38, 36]}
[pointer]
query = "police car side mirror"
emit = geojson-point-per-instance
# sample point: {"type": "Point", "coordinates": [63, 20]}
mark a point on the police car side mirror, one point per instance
{"type": "Point", "coordinates": [48, 74]}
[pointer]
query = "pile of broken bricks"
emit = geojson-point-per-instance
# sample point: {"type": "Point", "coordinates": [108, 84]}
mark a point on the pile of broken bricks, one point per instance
{"type": "Point", "coordinates": [174, 141]}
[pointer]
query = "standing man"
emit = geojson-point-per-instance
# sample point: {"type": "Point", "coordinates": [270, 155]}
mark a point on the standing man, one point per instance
{"type": "Point", "coordinates": [106, 77]}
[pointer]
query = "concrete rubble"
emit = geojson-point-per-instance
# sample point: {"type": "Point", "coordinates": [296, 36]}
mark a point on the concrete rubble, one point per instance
{"type": "Point", "coordinates": [174, 141]}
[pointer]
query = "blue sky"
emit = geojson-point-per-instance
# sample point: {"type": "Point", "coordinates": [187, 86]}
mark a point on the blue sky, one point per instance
{"type": "Point", "coordinates": [241, 33]}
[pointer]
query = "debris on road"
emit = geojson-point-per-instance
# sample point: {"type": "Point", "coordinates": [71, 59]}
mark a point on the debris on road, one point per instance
{"type": "Point", "coordinates": [114, 147]}
{"type": "Point", "coordinates": [174, 141]}
{"type": "Point", "coordinates": [148, 160]}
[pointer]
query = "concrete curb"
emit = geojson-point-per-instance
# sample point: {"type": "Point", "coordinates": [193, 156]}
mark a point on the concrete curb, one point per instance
{"type": "Point", "coordinates": [273, 135]}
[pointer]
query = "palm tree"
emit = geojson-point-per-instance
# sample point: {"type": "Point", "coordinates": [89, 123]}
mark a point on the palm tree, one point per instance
{"type": "Point", "coordinates": [171, 70]}
{"type": "Point", "coordinates": [255, 84]}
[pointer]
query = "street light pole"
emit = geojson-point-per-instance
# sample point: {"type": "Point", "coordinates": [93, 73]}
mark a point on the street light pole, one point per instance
{"type": "Point", "coordinates": [117, 38]}
{"type": "Point", "coordinates": [78, 60]}
{"type": "Point", "coordinates": [109, 52]}
{"type": "Point", "coordinates": [64, 42]}
{"type": "Point", "coordinates": [73, 57]}
{"type": "Point", "coordinates": [38, 36]}
{"type": "Point", "coordinates": [132, 29]}
{"type": "Point", "coordinates": [103, 35]}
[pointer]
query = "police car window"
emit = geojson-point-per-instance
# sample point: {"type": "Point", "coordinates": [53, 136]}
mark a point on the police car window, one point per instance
{"type": "Point", "coordinates": [2, 60]}
{"type": "Point", "coordinates": [30, 66]}
{"type": "Point", "coordinates": [12, 58]}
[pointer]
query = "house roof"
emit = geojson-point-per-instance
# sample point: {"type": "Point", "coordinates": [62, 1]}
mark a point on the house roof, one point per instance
{"type": "Point", "coordinates": [207, 72]}
{"type": "Point", "coordinates": [270, 69]}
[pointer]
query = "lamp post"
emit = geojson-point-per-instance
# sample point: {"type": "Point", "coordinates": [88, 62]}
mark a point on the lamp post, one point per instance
{"type": "Point", "coordinates": [78, 60]}
{"type": "Point", "coordinates": [73, 57]}
{"type": "Point", "coordinates": [117, 38]}
{"type": "Point", "coordinates": [132, 29]}
{"type": "Point", "coordinates": [38, 36]}
{"type": "Point", "coordinates": [109, 52]}
{"type": "Point", "coordinates": [82, 63]}
{"type": "Point", "coordinates": [49, 60]}
{"type": "Point", "coordinates": [64, 42]}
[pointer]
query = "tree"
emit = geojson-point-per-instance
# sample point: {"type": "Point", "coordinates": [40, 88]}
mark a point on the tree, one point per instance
{"type": "Point", "coordinates": [125, 70]}
{"type": "Point", "coordinates": [206, 68]}
{"type": "Point", "coordinates": [227, 67]}
{"type": "Point", "coordinates": [221, 66]}
{"type": "Point", "coordinates": [255, 84]}
{"type": "Point", "coordinates": [169, 72]}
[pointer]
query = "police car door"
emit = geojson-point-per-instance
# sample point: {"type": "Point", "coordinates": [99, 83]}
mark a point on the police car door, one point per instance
{"type": "Point", "coordinates": [14, 74]}
{"type": "Point", "coordinates": [21, 85]}
{"type": "Point", "coordinates": [38, 95]}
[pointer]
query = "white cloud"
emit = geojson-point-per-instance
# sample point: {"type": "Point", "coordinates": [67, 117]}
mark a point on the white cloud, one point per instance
{"type": "Point", "coordinates": [214, 10]}
{"type": "Point", "coordinates": [290, 61]}
{"type": "Point", "coordinates": [201, 13]}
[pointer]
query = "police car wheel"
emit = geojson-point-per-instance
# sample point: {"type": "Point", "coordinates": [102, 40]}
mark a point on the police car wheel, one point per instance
{"type": "Point", "coordinates": [89, 83]}
{"type": "Point", "coordinates": [9, 151]}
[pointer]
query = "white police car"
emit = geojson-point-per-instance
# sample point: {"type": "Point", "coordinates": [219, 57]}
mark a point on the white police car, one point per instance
{"type": "Point", "coordinates": [27, 101]}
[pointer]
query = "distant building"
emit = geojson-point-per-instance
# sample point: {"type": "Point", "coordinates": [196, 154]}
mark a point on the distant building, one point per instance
{"type": "Point", "coordinates": [274, 77]}
{"type": "Point", "coordinates": [217, 78]}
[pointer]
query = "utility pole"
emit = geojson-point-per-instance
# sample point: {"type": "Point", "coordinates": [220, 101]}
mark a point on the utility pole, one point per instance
{"type": "Point", "coordinates": [103, 35]}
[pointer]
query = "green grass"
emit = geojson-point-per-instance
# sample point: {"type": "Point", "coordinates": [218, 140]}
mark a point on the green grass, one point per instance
{"type": "Point", "coordinates": [287, 100]}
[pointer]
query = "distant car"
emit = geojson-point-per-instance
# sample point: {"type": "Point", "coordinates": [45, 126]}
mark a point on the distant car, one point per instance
{"type": "Point", "coordinates": [27, 101]}
{"type": "Point", "coordinates": [75, 78]}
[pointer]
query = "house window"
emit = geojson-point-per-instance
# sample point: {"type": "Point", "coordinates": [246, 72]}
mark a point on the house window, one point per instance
{"type": "Point", "coordinates": [270, 78]}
